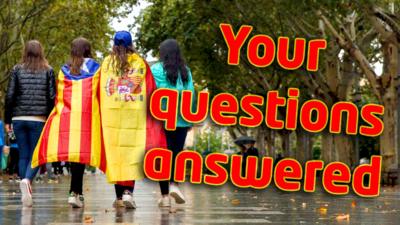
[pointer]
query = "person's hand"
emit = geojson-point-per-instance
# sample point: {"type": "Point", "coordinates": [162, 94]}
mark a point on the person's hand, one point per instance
{"type": "Point", "coordinates": [8, 128]}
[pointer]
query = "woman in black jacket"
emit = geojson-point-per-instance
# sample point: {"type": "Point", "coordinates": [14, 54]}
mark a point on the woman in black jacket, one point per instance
{"type": "Point", "coordinates": [29, 100]}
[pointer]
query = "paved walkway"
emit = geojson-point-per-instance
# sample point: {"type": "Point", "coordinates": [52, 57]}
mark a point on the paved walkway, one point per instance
{"type": "Point", "coordinates": [206, 205]}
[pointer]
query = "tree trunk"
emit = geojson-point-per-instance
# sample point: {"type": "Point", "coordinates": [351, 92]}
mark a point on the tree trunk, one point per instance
{"type": "Point", "coordinates": [337, 147]}
{"type": "Point", "coordinates": [303, 146]}
{"type": "Point", "coordinates": [285, 140]}
{"type": "Point", "coordinates": [269, 139]}
{"type": "Point", "coordinates": [388, 137]}
{"type": "Point", "coordinates": [260, 141]}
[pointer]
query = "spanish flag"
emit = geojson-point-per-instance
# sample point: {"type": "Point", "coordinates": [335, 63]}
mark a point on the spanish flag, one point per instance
{"type": "Point", "coordinates": [72, 132]}
{"type": "Point", "coordinates": [128, 127]}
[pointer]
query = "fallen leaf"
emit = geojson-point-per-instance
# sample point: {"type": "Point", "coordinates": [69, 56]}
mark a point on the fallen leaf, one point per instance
{"type": "Point", "coordinates": [255, 197]}
{"type": "Point", "coordinates": [87, 189]}
{"type": "Point", "coordinates": [303, 204]}
{"type": "Point", "coordinates": [323, 210]}
{"type": "Point", "coordinates": [292, 200]}
{"type": "Point", "coordinates": [88, 219]}
{"type": "Point", "coordinates": [385, 211]}
{"type": "Point", "coordinates": [172, 210]}
{"type": "Point", "coordinates": [343, 217]}
{"type": "Point", "coordinates": [353, 204]}
{"type": "Point", "coordinates": [235, 202]}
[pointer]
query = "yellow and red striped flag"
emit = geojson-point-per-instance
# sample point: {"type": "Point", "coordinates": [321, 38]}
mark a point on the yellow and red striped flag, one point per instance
{"type": "Point", "coordinates": [128, 127]}
{"type": "Point", "coordinates": [73, 130]}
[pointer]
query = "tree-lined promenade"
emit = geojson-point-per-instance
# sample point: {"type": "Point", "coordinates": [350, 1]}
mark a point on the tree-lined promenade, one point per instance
{"type": "Point", "coordinates": [360, 35]}
{"type": "Point", "coordinates": [208, 205]}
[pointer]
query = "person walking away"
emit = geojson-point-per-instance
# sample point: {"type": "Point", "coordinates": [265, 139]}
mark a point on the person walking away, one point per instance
{"type": "Point", "coordinates": [77, 68]}
{"type": "Point", "coordinates": [247, 149]}
{"type": "Point", "coordinates": [29, 100]}
{"type": "Point", "coordinates": [127, 84]}
{"type": "Point", "coordinates": [73, 133]}
{"type": "Point", "coordinates": [58, 169]}
{"type": "Point", "coordinates": [14, 156]}
{"type": "Point", "coordinates": [43, 170]}
{"type": "Point", "coordinates": [172, 72]}
{"type": "Point", "coordinates": [2, 145]}
{"type": "Point", "coordinates": [251, 150]}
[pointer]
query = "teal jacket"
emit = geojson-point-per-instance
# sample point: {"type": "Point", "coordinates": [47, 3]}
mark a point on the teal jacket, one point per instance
{"type": "Point", "coordinates": [160, 77]}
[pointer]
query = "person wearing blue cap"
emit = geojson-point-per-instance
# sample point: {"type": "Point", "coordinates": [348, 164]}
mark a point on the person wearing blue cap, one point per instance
{"type": "Point", "coordinates": [124, 39]}
{"type": "Point", "coordinates": [116, 63]}
{"type": "Point", "coordinates": [126, 84]}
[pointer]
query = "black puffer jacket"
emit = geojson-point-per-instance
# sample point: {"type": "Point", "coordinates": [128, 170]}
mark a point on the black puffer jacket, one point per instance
{"type": "Point", "coordinates": [29, 94]}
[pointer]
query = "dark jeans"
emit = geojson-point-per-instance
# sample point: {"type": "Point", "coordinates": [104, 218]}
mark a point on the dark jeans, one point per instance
{"type": "Point", "coordinates": [175, 142]}
{"type": "Point", "coordinates": [13, 164]}
{"type": "Point", "coordinates": [27, 134]}
{"type": "Point", "coordinates": [77, 171]}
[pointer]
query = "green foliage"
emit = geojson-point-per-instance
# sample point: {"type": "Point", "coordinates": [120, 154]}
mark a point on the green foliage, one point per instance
{"type": "Point", "coordinates": [316, 152]}
{"type": "Point", "coordinates": [211, 140]}
{"type": "Point", "coordinates": [195, 24]}
{"type": "Point", "coordinates": [55, 23]}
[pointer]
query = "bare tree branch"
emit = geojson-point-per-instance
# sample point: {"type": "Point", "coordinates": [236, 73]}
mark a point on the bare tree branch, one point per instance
{"type": "Point", "coordinates": [355, 52]}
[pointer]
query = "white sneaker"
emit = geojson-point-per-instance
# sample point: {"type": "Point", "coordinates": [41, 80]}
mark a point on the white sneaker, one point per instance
{"type": "Point", "coordinates": [26, 191]}
{"type": "Point", "coordinates": [127, 199]}
{"type": "Point", "coordinates": [164, 201]}
{"type": "Point", "coordinates": [176, 194]}
{"type": "Point", "coordinates": [76, 201]}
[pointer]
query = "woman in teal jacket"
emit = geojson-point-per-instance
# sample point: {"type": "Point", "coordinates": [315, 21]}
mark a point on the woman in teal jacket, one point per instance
{"type": "Point", "coordinates": [173, 73]}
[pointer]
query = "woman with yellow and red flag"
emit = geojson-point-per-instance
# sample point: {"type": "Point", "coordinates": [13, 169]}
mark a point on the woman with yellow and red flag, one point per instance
{"type": "Point", "coordinates": [128, 127]}
{"type": "Point", "coordinates": [73, 131]}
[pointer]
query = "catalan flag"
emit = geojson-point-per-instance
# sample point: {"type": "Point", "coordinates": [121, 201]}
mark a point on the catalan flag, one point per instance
{"type": "Point", "coordinates": [73, 130]}
{"type": "Point", "coordinates": [128, 127]}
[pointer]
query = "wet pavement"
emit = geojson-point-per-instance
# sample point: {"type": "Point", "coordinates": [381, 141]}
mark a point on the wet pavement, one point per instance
{"type": "Point", "coordinates": [206, 205]}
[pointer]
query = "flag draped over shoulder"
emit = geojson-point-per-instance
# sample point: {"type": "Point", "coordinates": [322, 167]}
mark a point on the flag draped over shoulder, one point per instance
{"type": "Point", "coordinates": [73, 130]}
{"type": "Point", "coordinates": [128, 127]}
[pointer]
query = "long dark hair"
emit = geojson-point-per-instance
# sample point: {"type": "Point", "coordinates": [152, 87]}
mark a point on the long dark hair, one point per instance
{"type": "Point", "coordinates": [80, 49]}
{"type": "Point", "coordinates": [173, 61]}
{"type": "Point", "coordinates": [119, 57]}
{"type": "Point", "coordinates": [33, 57]}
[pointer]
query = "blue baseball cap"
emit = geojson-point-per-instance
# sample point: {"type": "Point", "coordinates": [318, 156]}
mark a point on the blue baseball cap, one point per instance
{"type": "Point", "coordinates": [123, 38]}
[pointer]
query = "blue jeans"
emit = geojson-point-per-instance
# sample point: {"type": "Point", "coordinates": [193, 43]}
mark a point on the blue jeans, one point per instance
{"type": "Point", "coordinates": [27, 134]}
